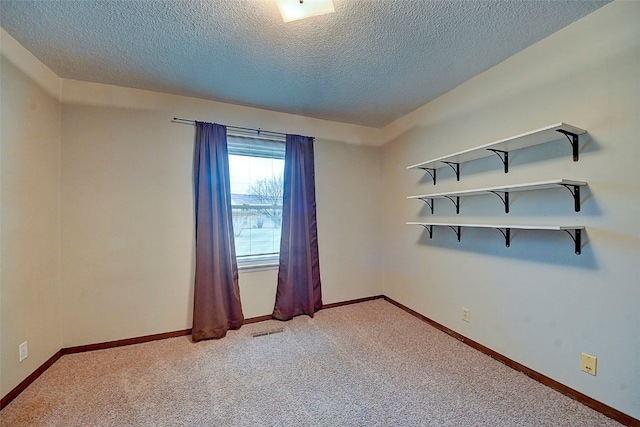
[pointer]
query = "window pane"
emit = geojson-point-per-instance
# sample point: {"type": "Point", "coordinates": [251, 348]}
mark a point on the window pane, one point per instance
{"type": "Point", "coordinates": [256, 171]}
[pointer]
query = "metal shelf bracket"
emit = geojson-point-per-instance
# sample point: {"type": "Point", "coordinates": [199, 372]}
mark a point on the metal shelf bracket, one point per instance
{"type": "Point", "coordinates": [456, 168]}
{"type": "Point", "coordinates": [573, 140]}
{"type": "Point", "coordinates": [575, 192]}
{"type": "Point", "coordinates": [504, 157]}
{"type": "Point", "coordinates": [504, 199]}
{"type": "Point", "coordinates": [432, 173]}
{"type": "Point", "coordinates": [429, 228]}
{"type": "Point", "coordinates": [577, 239]}
{"type": "Point", "coordinates": [456, 229]}
{"type": "Point", "coordinates": [456, 203]}
{"type": "Point", "coordinates": [507, 236]}
{"type": "Point", "coordinates": [430, 204]}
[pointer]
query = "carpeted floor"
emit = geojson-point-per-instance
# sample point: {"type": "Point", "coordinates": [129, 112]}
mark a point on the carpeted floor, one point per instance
{"type": "Point", "coordinates": [367, 364]}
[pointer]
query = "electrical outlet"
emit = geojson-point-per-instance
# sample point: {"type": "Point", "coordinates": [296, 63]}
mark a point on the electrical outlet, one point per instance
{"type": "Point", "coordinates": [23, 350]}
{"type": "Point", "coordinates": [589, 364]}
{"type": "Point", "coordinates": [466, 314]}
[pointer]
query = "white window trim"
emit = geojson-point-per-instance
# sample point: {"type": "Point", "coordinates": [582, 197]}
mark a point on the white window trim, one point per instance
{"type": "Point", "coordinates": [258, 262]}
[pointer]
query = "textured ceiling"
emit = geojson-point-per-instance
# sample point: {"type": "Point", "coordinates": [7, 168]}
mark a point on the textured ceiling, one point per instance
{"type": "Point", "coordinates": [369, 63]}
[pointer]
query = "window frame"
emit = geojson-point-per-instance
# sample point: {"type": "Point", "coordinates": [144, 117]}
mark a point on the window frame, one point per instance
{"type": "Point", "coordinates": [265, 148]}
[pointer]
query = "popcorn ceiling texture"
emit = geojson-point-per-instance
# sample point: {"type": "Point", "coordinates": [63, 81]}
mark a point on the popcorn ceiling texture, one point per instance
{"type": "Point", "coordinates": [367, 364]}
{"type": "Point", "coordinates": [371, 62]}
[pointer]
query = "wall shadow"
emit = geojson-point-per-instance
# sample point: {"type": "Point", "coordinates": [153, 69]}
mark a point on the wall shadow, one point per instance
{"type": "Point", "coordinates": [541, 246]}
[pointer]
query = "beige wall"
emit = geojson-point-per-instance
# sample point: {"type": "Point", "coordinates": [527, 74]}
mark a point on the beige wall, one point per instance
{"type": "Point", "coordinates": [30, 219]}
{"type": "Point", "coordinates": [96, 190]}
{"type": "Point", "coordinates": [535, 302]}
{"type": "Point", "coordinates": [127, 211]}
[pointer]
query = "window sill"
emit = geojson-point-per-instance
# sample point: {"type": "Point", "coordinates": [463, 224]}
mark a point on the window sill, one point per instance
{"type": "Point", "coordinates": [258, 264]}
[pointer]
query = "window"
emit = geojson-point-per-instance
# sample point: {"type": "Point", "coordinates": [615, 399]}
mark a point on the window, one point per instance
{"type": "Point", "coordinates": [256, 169]}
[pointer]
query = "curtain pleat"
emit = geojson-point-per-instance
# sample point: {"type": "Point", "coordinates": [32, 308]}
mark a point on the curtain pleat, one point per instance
{"type": "Point", "coordinates": [216, 299]}
{"type": "Point", "coordinates": [299, 290]}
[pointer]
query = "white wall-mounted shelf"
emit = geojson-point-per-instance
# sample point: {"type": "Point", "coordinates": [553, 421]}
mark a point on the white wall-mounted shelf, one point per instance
{"type": "Point", "coordinates": [576, 229]}
{"type": "Point", "coordinates": [502, 148]}
{"type": "Point", "coordinates": [503, 192]}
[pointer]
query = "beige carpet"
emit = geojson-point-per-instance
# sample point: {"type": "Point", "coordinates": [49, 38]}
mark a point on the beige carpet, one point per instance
{"type": "Point", "coordinates": [368, 364]}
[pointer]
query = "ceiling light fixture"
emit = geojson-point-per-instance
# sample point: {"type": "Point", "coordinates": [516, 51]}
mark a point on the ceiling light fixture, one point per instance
{"type": "Point", "coordinates": [292, 10]}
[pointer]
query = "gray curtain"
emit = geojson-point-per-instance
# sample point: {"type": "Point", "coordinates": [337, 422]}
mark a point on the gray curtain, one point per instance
{"type": "Point", "coordinates": [299, 273]}
{"type": "Point", "coordinates": [216, 299]}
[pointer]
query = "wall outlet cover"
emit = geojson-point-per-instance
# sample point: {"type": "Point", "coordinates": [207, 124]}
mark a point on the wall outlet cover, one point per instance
{"type": "Point", "coordinates": [589, 364]}
{"type": "Point", "coordinates": [23, 351]}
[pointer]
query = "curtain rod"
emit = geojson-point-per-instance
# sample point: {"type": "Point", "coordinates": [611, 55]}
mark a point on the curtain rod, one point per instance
{"type": "Point", "coordinates": [257, 131]}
